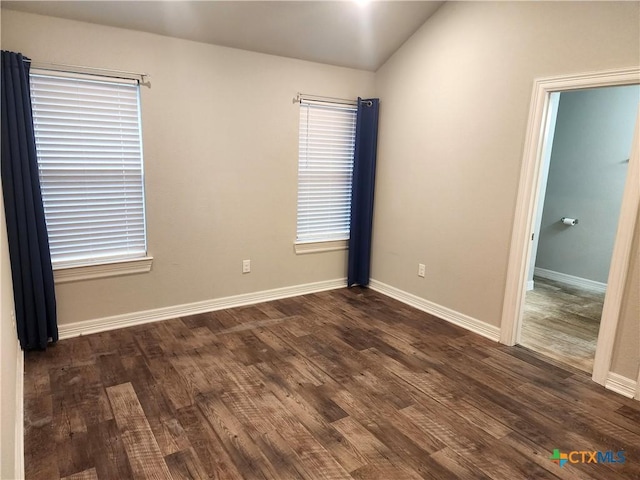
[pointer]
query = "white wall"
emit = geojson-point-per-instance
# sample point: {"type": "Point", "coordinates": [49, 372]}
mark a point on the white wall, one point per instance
{"type": "Point", "coordinates": [220, 154]}
{"type": "Point", "coordinates": [589, 164]}
{"type": "Point", "coordinates": [10, 366]}
{"type": "Point", "coordinates": [454, 109]}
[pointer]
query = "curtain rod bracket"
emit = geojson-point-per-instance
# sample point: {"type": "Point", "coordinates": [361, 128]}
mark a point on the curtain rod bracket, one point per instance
{"type": "Point", "coordinates": [303, 96]}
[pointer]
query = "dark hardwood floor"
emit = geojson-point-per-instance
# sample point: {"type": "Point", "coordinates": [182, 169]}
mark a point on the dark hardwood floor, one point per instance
{"type": "Point", "coordinates": [562, 322]}
{"type": "Point", "coordinates": [335, 385]}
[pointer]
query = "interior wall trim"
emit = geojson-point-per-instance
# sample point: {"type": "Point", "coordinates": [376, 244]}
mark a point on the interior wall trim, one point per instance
{"type": "Point", "coordinates": [19, 428]}
{"type": "Point", "coordinates": [571, 280]}
{"type": "Point", "coordinates": [97, 325]}
{"type": "Point", "coordinates": [622, 385]}
{"type": "Point", "coordinates": [472, 324]}
{"type": "Point", "coordinates": [103, 270]}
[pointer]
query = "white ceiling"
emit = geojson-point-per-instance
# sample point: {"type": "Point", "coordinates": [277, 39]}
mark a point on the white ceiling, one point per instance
{"type": "Point", "coordinates": [345, 33]}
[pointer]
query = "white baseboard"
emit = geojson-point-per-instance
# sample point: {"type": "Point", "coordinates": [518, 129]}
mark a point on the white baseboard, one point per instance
{"type": "Point", "coordinates": [622, 385]}
{"type": "Point", "coordinates": [530, 285]}
{"type": "Point", "coordinates": [473, 324]}
{"type": "Point", "coordinates": [87, 327]}
{"type": "Point", "coordinates": [19, 428]}
{"type": "Point", "coordinates": [571, 280]}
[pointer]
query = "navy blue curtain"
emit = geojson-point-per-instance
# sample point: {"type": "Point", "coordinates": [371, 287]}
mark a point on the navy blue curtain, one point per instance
{"type": "Point", "coordinates": [31, 270]}
{"type": "Point", "coordinates": [364, 173]}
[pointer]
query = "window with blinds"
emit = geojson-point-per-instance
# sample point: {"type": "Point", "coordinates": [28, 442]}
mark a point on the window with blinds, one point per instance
{"type": "Point", "coordinates": [89, 147]}
{"type": "Point", "coordinates": [326, 146]}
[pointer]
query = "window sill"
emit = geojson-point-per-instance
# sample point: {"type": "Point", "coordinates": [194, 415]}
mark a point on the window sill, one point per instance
{"type": "Point", "coordinates": [102, 270]}
{"type": "Point", "coordinates": [318, 247]}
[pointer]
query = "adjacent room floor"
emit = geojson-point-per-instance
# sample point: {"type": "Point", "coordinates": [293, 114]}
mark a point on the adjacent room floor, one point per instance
{"type": "Point", "coordinates": [562, 322]}
{"type": "Point", "coordinates": [335, 385]}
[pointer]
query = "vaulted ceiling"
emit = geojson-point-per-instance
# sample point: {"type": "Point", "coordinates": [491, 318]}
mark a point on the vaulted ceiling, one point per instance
{"type": "Point", "coordinates": [345, 33]}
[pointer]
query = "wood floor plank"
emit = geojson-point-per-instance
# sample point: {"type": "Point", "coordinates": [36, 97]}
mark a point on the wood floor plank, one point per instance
{"type": "Point", "coordinates": [562, 322]}
{"type": "Point", "coordinates": [73, 454]}
{"type": "Point", "coordinates": [459, 467]}
{"type": "Point", "coordinates": [67, 421]}
{"type": "Point", "coordinates": [343, 384]}
{"type": "Point", "coordinates": [538, 424]}
{"type": "Point", "coordinates": [264, 413]}
{"type": "Point", "coordinates": [112, 371]}
{"type": "Point", "coordinates": [319, 399]}
{"type": "Point", "coordinates": [222, 319]}
{"type": "Point", "coordinates": [40, 442]}
{"type": "Point", "coordinates": [194, 379]}
{"type": "Point", "coordinates": [142, 449]}
{"type": "Point", "coordinates": [148, 342]}
{"type": "Point", "coordinates": [630, 413]}
{"type": "Point", "coordinates": [89, 474]}
{"type": "Point", "coordinates": [119, 342]}
{"type": "Point", "coordinates": [174, 386]}
{"type": "Point", "coordinates": [37, 371]}
{"type": "Point", "coordinates": [207, 446]}
{"type": "Point", "coordinates": [281, 455]}
{"type": "Point", "coordinates": [107, 451]}
{"type": "Point", "coordinates": [342, 449]}
{"type": "Point", "coordinates": [156, 406]}
{"type": "Point", "coordinates": [382, 469]}
{"type": "Point", "coordinates": [582, 410]}
{"type": "Point", "coordinates": [480, 419]}
{"type": "Point", "coordinates": [236, 439]}
{"type": "Point", "coordinates": [532, 451]}
{"type": "Point", "coordinates": [392, 420]}
{"type": "Point", "coordinates": [184, 465]}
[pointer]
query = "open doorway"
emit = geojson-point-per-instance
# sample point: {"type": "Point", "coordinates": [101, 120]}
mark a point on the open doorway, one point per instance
{"type": "Point", "coordinates": [527, 200]}
{"type": "Point", "coordinates": [584, 166]}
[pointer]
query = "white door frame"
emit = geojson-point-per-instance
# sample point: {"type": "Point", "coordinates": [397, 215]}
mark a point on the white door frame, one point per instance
{"type": "Point", "coordinates": [527, 201]}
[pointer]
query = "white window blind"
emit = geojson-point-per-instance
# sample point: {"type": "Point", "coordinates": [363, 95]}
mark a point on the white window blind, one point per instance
{"type": "Point", "coordinates": [89, 150]}
{"type": "Point", "coordinates": [326, 146]}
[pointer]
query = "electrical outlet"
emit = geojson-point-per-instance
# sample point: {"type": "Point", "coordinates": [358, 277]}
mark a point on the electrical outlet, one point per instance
{"type": "Point", "coordinates": [246, 266]}
{"type": "Point", "coordinates": [421, 269]}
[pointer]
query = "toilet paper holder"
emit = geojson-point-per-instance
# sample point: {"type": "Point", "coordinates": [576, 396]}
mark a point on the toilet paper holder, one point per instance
{"type": "Point", "coordinates": [569, 221]}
